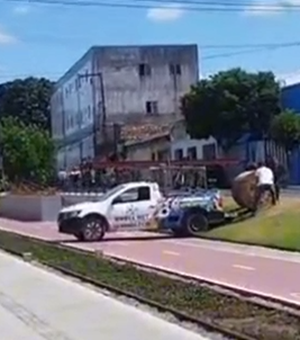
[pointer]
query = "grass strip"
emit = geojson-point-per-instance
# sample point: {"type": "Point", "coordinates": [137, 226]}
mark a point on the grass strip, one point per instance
{"type": "Point", "coordinates": [279, 231]}
{"type": "Point", "coordinates": [191, 298]}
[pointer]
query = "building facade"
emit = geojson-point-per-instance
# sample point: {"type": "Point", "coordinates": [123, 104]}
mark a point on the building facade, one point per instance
{"type": "Point", "coordinates": [290, 97]}
{"type": "Point", "coordinates": [118, 85]}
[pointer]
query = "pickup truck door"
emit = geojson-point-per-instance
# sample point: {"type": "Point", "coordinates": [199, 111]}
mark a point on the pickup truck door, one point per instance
{"type": "Point", "coordinates": [132, 208]}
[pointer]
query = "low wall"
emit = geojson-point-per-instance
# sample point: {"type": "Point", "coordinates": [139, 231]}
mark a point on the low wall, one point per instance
{"type": "Point", "coordinates": [40, 208]}
{"type": "Point", "coordinates": [30, 207]}
{"type": "Point", "coordinates": [75, 198]}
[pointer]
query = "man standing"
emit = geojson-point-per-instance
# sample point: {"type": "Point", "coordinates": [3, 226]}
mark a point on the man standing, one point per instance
{"type": "Point", "coordinates": [265, 182]}
{"type": "Point", "coordinates": [279, 172]}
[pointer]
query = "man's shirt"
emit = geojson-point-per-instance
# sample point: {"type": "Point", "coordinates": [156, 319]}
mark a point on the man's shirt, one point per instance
{"type": "Point", "coordinates": [265, 176]}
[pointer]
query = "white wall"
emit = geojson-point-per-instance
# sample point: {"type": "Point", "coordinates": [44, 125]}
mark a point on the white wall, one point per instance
{"type": "Point", "coordinates": [87, 147]}
{"type": "Point", "coordinates": [61, 159]}
{"type": "Point", "coordinates": [186, 143]}
{"type": "Point", "coordinates": [72, 155]}
{"type": "Point", "coordinates": [74, 101]}
{"type": "Point", "coordinates": [127, 93]}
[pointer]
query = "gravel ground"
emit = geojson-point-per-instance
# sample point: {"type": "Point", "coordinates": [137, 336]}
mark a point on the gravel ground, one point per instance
{"type": "Point", "coordinates": [165, 316]}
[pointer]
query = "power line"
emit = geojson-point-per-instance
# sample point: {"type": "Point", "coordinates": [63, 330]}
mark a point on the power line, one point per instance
{"type": "Point", "coordinates": [257, 48]}
{"type": "Point", "coordinates": [75, 39]}
{"type": "Point", "coordinates": [250, 51]}
{"type": "Point", "coordinates": [201, 6]}
{"type": "Point", "coordinates": [246, 49]}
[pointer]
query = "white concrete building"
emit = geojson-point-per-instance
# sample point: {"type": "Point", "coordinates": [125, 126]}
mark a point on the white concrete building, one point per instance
{"type": "Point", "coordinates": [196, 149]}
{"type": "Point", "coordinates": [182, 146]}
{"type": "Point", "coordinates": [125, 83]}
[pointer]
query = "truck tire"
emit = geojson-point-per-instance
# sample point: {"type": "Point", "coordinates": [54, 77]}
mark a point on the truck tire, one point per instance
{"type": "Point", "coordinates": [194, 221]}
{"type": "Point", "coordinates": [94, 229]}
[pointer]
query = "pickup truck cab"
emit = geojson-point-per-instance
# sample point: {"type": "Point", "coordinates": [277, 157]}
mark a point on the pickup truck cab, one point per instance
{"type": "Point", "coordinates": [127, 206]}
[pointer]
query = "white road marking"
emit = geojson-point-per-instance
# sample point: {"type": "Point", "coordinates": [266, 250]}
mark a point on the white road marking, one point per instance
{"type": "Point", "coordinates": [222, 283]}
{"type": "Point", "coordinates": [239, 266]}
{"type": "Point", "coordinates": [295, 295]}
{"type": "Point", "coordinates": [249, 251]}
{"type": "Point", "coordinates": [123, 244]}
{"type": "Point", "coordinates": [172, 253]}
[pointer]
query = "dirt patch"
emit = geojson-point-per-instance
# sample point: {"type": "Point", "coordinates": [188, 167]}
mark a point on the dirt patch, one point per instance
{"type": "Point", "coordinates": [283, 206]}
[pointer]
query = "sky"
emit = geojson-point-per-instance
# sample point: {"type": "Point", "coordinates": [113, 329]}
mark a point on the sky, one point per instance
{"type": "Point", "coordinates": [45, 39]}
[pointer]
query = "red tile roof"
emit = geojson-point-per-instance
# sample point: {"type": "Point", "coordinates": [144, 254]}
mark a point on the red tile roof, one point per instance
{"type": "Point", "coordinates": [143, 131]}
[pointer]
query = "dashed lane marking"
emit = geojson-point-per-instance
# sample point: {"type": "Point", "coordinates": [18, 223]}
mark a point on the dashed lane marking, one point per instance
{"type": "Point", "coordinates": [295, 295]}
{"type": "Point", "coordinates": [239, 266]}
{"type": "Point", "coordinates": [172, 253]}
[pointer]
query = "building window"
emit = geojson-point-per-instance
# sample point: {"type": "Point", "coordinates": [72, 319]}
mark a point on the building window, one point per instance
{"type": "Point", "coordinates": [71, 122]}
{"type": "Point", "coordinates": [192, 153]}
{"type": "Point", "coordinates": [175, 69]}
{"type": "Point", "coordinates": [209, 152]}
{"type": "Point", "coordinates": [78, 119]}
{"type": "Point", "coordinates": [67, 123]}
{"type": "Point", "coordinates": [178, 154]}
{"type": "Point", "coordinates": [161, 155]}
{"type": "Point", "coordinates": [151, 107]}
{"type": "Point", "coordinates": [89, 113]}
{"type": "Point", "coordinates": [144, 70]}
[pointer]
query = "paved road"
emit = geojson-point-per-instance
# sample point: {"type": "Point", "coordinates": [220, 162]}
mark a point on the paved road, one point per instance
{"type": "Point", "coordinates": [267, 272]}
{"type": "Point", "coordinates": [39, 305]}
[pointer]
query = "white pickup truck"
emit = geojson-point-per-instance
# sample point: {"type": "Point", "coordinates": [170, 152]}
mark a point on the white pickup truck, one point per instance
{"type": "Point", "coordinates": [128, 205]}
{"type": "Point", "coordinates": [132, 205]}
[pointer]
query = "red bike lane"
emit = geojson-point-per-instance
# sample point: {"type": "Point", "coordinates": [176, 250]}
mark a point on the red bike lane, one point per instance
{"type": "Point", "coordinates": [257, 273]}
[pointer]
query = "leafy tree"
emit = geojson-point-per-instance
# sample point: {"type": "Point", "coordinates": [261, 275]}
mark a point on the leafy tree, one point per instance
{"type": "Point", "coordinates": [27, 99]}
{"type": "Point", "coordinates": [28, 152]}
{"type": "Point", "coordinates": [285, 129]}
{"type": "Point", "coordinates": [230, 104]}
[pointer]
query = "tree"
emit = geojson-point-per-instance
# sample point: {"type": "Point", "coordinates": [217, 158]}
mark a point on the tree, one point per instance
{"type": "Point", "coordinates": [27, 99]}
{"type": "Point", "coordinates": [230, 104]}
{"type": "Point", "coordinates": [28, 152]}
{"type": "Point", "coordinates": [285, 129]}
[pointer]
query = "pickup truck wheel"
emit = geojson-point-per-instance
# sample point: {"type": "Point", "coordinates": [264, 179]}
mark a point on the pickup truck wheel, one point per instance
{"type": "Point", "coordinates": [195, 222]}
{"type": "Point", "coordinates": [94, 229]}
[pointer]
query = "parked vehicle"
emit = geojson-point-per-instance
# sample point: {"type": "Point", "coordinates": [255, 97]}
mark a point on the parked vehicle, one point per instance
{"type": "Point", "coordinates": [130, 206]}
{"type": "Point", "coordinates": [187, 214]}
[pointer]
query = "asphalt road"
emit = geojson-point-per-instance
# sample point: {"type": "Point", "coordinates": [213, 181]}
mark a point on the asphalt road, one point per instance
{"type": "Point", "coordinates": [39, 305]}
{"type": "Point", "coordinates": [267, 272]}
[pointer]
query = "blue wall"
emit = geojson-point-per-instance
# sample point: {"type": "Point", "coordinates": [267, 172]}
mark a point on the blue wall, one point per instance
{"type": "Point", "coordinates": [290, 97]}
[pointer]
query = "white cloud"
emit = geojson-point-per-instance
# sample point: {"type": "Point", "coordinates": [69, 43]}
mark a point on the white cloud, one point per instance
{"type": "Point", "coordinates": [267, 8]}
{"type": "Point", "coordinates": [166, 12]}
{"type": "Point", "coordinates": [21, 10]}
{"type": "Point", "coordinates": [261, 9]}
{"type": "Point", "coordinates": [6, 38]}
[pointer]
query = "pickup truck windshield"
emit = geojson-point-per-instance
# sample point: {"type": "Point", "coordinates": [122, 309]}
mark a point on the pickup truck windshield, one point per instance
{"type": "Point", "coordinates": [111, 192]}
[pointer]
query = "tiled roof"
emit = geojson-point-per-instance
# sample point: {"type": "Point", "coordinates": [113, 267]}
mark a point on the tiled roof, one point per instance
{"type": "Point", "coordinates": [143, 131]}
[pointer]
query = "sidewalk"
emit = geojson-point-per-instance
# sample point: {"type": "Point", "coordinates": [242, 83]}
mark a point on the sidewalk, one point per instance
{"type": "Point", "coordinates": [38, 305]}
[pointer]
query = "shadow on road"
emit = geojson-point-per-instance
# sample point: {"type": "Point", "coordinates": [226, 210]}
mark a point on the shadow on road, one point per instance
{"type": "Point", "coordinates": [118, 239]}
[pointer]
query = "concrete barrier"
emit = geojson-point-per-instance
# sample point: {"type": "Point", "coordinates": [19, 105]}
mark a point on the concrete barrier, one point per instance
{"type": "Point", "coordinates": [75, 198]}
{"type": "Point", "coordinates": [30, 207]}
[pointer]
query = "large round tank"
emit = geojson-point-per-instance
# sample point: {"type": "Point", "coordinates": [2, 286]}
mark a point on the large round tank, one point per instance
{"type": "Point", "coordinates": [243, 189]}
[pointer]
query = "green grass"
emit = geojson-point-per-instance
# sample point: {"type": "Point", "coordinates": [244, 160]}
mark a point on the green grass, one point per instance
{"type": "Point", "coordinates": [278, 227]}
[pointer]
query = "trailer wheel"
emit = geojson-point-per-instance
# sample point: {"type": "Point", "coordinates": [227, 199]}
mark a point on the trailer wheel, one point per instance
{"type": "Point", "coordinates": [195, 221]}
{"type": "Point", "coordinates": [94, 229]}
